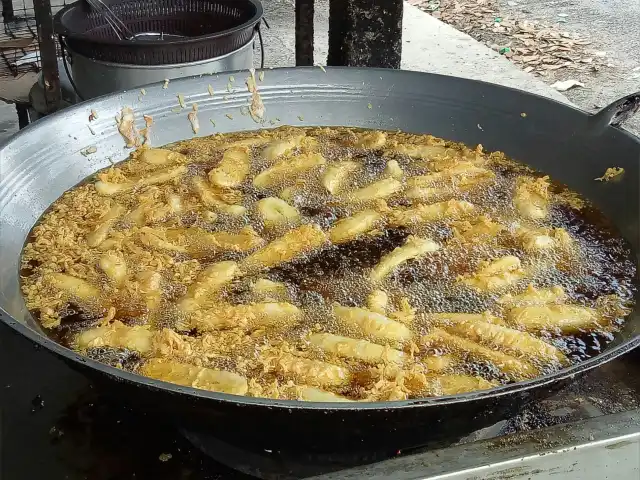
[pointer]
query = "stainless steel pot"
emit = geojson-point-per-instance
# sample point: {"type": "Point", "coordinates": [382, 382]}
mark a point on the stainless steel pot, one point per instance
{"type": "Point", "coordinates": [45, 159]}
{"type": "Point", "coordinates": [94, 78]}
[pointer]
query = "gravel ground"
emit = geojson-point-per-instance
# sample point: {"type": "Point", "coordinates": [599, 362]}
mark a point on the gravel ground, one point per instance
{"type": "Point", "coordinates": [595, 42]}
{"type": "Point", "coordinates": [613, 26]}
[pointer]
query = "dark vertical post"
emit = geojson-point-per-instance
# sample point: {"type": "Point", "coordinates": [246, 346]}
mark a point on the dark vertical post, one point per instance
{"type": "Point", "coordinates": [365, 33]}
{"type": "Point", "coordinates": [337, 30]}
{"type": "Point", "coordinates": [304, 32]}
{"type": "Point", "coordinates": [48, 59]}
{"type": "Point", "coordinates": [23, 115]}
{"type": "Point", "coordinates": [7, 11]}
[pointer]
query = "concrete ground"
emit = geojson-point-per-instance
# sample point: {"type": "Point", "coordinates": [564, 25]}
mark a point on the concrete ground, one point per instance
{"type": "Point", "coordinates": [428, 45]}
{"type": "Point", "coordinates": [613, 26]}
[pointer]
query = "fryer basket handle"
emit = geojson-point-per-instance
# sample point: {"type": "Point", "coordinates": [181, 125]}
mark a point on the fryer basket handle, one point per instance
{"type": "Point", "coordinates": [616, 113]}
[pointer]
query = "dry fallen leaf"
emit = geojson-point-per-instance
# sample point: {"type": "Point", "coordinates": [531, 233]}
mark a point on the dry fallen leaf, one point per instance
{"type": "Point", "coordinates": [518, 40]}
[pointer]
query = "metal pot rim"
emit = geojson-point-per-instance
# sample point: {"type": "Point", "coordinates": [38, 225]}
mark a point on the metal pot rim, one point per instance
{"type": "Point", "coordinates": [73, 54]}
{"type": "Point", "coordinates": [61, 29]}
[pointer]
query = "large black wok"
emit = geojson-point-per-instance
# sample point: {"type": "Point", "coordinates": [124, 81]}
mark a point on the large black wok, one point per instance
{"type": "Point", "coordinates": [45, 159]}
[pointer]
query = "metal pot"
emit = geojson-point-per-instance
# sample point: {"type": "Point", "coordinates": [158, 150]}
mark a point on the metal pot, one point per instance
{"type": "Point", "coordinates": [574, 147]}
{"type": "Point", "coordinates": [94, 78]}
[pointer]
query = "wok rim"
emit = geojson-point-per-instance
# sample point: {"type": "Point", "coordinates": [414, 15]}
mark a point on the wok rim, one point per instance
{"type": "Point", "coordinates": [294, 405]}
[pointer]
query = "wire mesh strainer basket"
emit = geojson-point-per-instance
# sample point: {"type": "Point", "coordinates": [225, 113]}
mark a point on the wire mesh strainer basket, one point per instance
{"type": "Point", "coordinates": [189, 30]}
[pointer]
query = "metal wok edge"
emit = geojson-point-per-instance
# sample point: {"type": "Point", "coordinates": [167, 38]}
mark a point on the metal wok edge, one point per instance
{"type": "Point", "coordinates": [45, 159]}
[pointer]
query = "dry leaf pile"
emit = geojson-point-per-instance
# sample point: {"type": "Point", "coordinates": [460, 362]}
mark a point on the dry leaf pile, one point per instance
{"type": "Point", "coordinates": [535, 47]}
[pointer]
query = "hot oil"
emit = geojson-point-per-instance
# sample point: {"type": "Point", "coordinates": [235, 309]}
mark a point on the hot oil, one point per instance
{"type": "Point", "coordinates": [339, 273]}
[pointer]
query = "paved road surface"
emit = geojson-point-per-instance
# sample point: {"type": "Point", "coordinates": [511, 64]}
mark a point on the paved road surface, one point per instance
{"type": "Point", "coordinates": [614, 27]}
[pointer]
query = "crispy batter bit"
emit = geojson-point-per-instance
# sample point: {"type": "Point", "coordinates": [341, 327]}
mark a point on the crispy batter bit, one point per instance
{"type": "Point", "coordinates": [496, 274]}
{"type": "Point", "coordinates": [352, 227]}
{"type": "Point", "coordinates": [373, 324]}
{"type": "Point", "coordinates": [482, 229]}
{"type": "Point", "coordinates": [101, 232]}
{"type": "Point", "coordinates": [159, 156]}
{"type": "Point", "coordinates": [534, 296]}
{"type": "Point", "coordinates": [288, 169]}
{"type": "Point", "coordinates": [611, 173]}
{"type": "Point", "coordinates": [275, 211]}
{"type": "Point", "coordinates": [326, 265]}
{"type": "Point", "coordinates": [362, 350]}
{"type": "Point", "coordinates": [311, 394]}
{"type": "Point", "coordinates": [295, 243]}
{"type": "Point", "coordinates": [197, 377]}
{"type": "Point", "coordinates": [278, 148]}
{"type": "Point", "coordinates": [452, 210]}
{"type": "Point", "coordinates": [378, 190]}
{"type": "Point", "coordinates": [117, 335]}
{"type": "Point", "coordinates": [378, 301]}
{"type": "Point", "coordinates": [336, 176]}
{"type": "Point", "coordinates": [232, 169]}
{"type": "Point", "coordinates": [158, 177]}
{"type": "Point", "coordinates": [456, 318]}
{"type": "Point", "coordinates": [531, 197]}
{"type": "Point", "coordinates": [507, 339]}
{"type": "Point", "coordinates": [311, 372]}
{"type": "Point", "coordinates": [455, 384]}
{"type": "Point", "coordinates": [208, 282]}
{"type": "Point", "coordinates": [515, 368]}
{"type": "Point", "coordinates": [413, 248]}
{"type": "Point", "coordinates": [565, 318]}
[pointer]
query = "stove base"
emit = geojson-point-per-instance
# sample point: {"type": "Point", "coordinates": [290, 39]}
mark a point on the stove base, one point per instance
{"type": "Point", "coordinates": [281, 465]}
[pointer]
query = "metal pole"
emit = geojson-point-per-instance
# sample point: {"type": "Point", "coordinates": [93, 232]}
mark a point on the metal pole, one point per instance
{"type": "Point", "coordinates": [304, 32]}
{"type": "Point", "coordinates": [48, 58]}
{"type": "Point", "coordinates": [7, 11]}
{"type": "Point", "coordinates": [337, 31]}
{"type": "Point", "coordinates": [365, 33]}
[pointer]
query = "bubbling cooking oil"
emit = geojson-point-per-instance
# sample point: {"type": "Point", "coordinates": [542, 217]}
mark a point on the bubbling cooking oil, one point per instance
{"type": "Point", "coordinates": [598, 265]}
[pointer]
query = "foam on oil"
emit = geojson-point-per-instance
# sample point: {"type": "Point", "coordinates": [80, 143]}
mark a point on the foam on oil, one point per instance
{"type": "Point", "coordinates": [599, 264]}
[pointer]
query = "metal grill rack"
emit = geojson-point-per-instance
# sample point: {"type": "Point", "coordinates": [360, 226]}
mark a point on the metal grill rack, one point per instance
{"type": "Point", "coordinates": [27, 47]}
{"type": "Point", "coordinates": [19, 45]}
{"type": "Point", "coordinates": [18, 38]}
